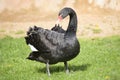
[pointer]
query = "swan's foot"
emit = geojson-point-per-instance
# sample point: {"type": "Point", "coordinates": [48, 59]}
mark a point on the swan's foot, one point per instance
{"type": "Point", "coordinates": [67, 71]}
{"type": "Point", "coordinates": [47, 68]}
{"type": "Point", "coordinates": [66, 67]}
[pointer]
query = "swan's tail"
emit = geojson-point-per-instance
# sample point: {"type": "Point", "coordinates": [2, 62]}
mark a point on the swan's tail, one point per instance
{"type": "Point", "coordinates": [36, 37]}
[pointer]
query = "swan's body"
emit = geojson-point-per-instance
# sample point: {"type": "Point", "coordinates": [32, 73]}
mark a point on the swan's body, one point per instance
{"type": "Point", "coordinates": [52, 46]}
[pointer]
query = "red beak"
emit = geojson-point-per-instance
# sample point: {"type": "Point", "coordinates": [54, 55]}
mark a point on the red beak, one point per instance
{"type": "Point", "coordinates": [59, 19]}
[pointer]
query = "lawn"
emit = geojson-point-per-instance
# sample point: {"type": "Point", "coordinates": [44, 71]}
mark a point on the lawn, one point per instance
{"type": "Point", "coordinates": [99, 59]}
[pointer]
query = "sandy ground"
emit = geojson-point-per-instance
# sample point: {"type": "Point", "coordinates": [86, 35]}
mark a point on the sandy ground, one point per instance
{"type": "Point", "coordinates": [93, 21]}
{"type": "Point", "coordinates": [88, 26]}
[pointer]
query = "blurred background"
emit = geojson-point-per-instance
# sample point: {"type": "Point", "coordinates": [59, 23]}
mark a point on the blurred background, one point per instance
{"type": "Point", "coordinates": [96, 18]}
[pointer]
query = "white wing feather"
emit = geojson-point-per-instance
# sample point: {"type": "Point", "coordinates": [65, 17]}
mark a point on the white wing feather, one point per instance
{"type": "Point", "coordinates": [32, 47]}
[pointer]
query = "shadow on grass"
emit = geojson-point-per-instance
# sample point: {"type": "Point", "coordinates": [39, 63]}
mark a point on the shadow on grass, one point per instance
{"type": "Point", "coordinates": [72, 68]}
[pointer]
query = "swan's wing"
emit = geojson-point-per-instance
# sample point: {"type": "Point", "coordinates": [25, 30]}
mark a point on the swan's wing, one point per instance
{"type": "Point", "coordinates": [58, 29]}
{"type": "Point", "coordinates": [44, 40]}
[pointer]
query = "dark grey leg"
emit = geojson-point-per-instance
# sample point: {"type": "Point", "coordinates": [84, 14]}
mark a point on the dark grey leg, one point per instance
{"type": "Point", "coordinates": [66, 67]}
{"type": "Point", "coordinates": [47, 68]}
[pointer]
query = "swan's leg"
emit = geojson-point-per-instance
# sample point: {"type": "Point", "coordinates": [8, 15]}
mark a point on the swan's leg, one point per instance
{"type": "Point", "coordinates": [66, 67]}
{"type": "Point", "coordinates": [47, 68]}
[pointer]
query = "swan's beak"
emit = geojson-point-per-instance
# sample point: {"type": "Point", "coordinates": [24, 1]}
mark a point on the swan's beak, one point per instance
{"type": "Point", "coordinates": [59, 19]}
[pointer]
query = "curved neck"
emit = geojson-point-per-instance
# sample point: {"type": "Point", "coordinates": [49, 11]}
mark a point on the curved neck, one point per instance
{"type": "Point", "coordinates": [72, 26]}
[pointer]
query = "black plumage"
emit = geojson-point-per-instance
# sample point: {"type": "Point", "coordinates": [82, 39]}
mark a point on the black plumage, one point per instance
{"type": "Point", "coordinates": [54, 46]}
{"type": "Point", "coordinates": [58, 28]}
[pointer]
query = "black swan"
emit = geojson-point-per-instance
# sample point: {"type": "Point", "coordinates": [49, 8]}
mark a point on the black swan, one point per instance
{"type": "Point", "coordinates": [51, 46]}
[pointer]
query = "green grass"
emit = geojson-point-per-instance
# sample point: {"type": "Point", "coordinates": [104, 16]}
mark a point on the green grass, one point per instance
{"type": "Point", "coordinates": [95, 28]}
{"type": "Point", "coordinates": [19, 32]}
{"type": "Point", "coordinates": [96, 31]}
{"type": "Point", "coordinates": [99, 59]}
{"type": "Point", "coordinates": [2, 30]}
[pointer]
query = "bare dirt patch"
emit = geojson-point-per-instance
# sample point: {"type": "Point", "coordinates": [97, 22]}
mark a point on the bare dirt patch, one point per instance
{"type": "Point", "coordinates": [88, 26]}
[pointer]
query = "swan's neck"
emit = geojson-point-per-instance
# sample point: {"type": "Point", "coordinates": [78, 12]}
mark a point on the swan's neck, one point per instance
{"type": "Point", "coordinates": [72, 27]}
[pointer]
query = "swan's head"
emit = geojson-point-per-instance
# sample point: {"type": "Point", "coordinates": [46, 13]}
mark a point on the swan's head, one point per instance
{"type": "Point", "coordinates": [62, 14]}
